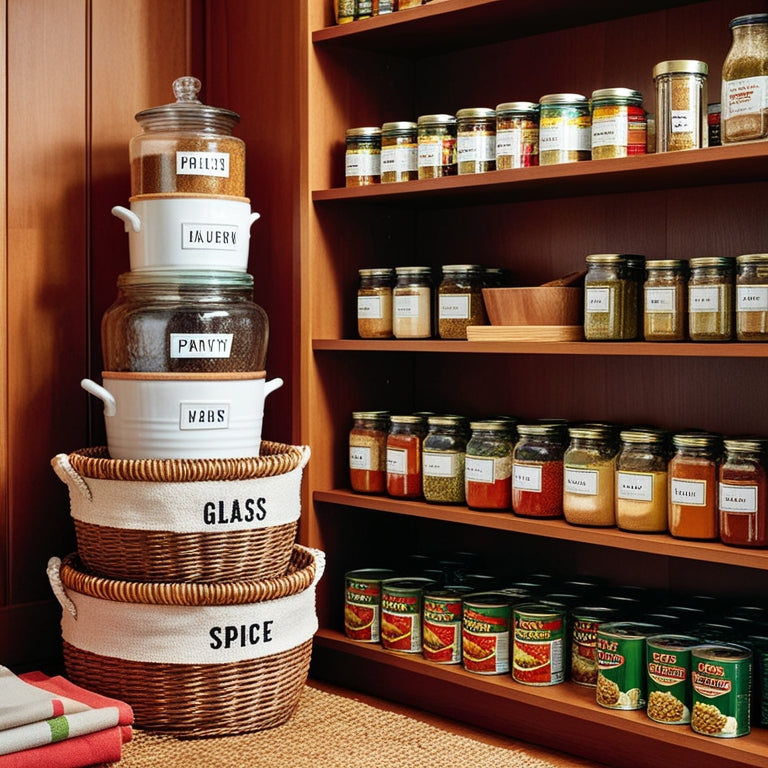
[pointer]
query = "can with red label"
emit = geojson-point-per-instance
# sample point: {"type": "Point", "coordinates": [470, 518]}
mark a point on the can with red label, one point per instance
{"type": "Point", "coordinates": [538, 645]}
{"type": "Point", "coordinates": [362, 603]}
{"type": "Point", "coordinates": [441, 625]}
{"type": "Point", "coordinates": [668, 659]}
{"type": "Point", "coordinates": [401, 609]}
{"type": "Point", "coordinates": [485, 632]}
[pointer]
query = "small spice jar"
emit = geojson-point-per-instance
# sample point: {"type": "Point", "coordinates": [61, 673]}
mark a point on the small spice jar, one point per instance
{"type": "Point", "coordinates": [517, 135]}
{"type": "Point", "coordinates": [404, 445]}
{"type": "Point", "coordinates": [565, 129]}
{"type": "Point", "coordinates": [693, 486]}
{"type": "Point", "coordinates": [752, 297]}
{"type": "Point", "coordinates": [537, 470]}
{"type": "Point", "coordinates": [368, 451]}
{"type": "Point", "coordinates": [665, 312]}
{"type": "Point", "coordinates": [460, 300]}
{"type": "Point", "coordinates": [618, 123]}
{"type": "Point", "coordinates": [743, 492]}
{"type": "Point", "coordinates": [641, 481]}
{"type": "Point", "coordinates": [488, 468]}
{"type": "Point", "coordinates": [607, 298]}
{"type": "Point", "coordinates": [362, 160]}
{"type": "Point", "coordinates": [443, 457]}
{"type": "Point", "coordinates": [710, 299]}
{"type": "Point", "coordinates": [681, 104]}
{"type": "Point", "coordinates": [437, 146]}
{"type": "Point", "coordinates": [399, 152]}
{"type": "Point", "coordinates": [476, 140]}
{"type": "Point", "coordinates": [344, 10]}
{"type": "Point", "coordinates": [374, 303]}
{"type": "Point", "coordinates": [412, 303]}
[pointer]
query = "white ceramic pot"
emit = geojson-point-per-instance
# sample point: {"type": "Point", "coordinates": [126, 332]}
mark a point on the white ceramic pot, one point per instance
{"type": "Point", "coordinates": [187, 232]}
{"type": "Point", "coordinates": [183, 416]}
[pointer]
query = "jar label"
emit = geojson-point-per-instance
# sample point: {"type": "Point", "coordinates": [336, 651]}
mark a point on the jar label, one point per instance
{"type": "Point", "coordinates": [360, 457]}
{"type": "Point", "coordinates": [363, 163]}
{"type": "Point", "coordinates": [660, 300]}
{"type": "Point", "coordinates": [565, 134]}
{"type": "Point", "coordinates": [752, 298]}
{"type": "Point", "coordinates": [476, 147]}
{"type": "Point", "coordinates": [201, 345]}
{"type": "Point", "coordinates": [682, 121]}
{"type": "Point", "coordinates": [745, 96]}
{"type": "Point", "coordinates": [581, 481]}
{"type": "Point", "coordinates": [435, 151]}
{"type": "Point", "coordinates": [704, 298]}
{"type": "Point", "coordinates": [634, 486]}
{"type": "Point", "coordinates": [207, 415]}
{"type": "Point", "coordinates": [202, 164]}
{"type": "Point", "coordinates": [690, 493]}
{"type": "Point", "coordinates": [610, 127]}
{"type": "Point", "coordinates": [439, 464]}
{"type": "Point", "coordinates": [209, 237]}
{"type": "Point", "coordinates": [526, 477]}
{"type": "Point", "coordinates": [370, 308]}
{"type": "Point", "coordinates": [479, 470]}
{"type": "Point", "coordinates": [407, 306]}
{"type": "Point", "coordinates": [397, 461]}
{"type": "Point", "coordinates": [738, 498]}
{"type": "Point", "coordinates": [454, 305]}
{"type": "Point", "coordinates": [598, 299]}
{"type": "Point", "coordinates": [399, 159]}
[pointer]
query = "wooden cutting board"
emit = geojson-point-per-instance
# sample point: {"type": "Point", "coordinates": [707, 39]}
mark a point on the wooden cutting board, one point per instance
{"type": "Point", "coordinates": [525, 333]}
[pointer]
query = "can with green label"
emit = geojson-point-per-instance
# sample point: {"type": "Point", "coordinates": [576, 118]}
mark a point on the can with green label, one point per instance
{"type": "Point", "coordinates": [538, 645]}
{"type": "Point", "coordinates": [362, 603]}
{"type": "Point", "coordinates": [668, 659]}
{"type": "Point", "coordinates": [401, 609]}
{"type": "Point", "coordinates": [485, 632]}
{"type": "Point", "coordinates": [441, 624]}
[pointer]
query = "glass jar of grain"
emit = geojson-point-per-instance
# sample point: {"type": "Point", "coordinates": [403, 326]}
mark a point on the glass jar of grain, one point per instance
{"type": "Point", "coordinates": [368, 451]}
{"type": "Point", "coordinates": [443, 459]}
{"type": "Point", "coordinates": [752, 297]}
{"type": "Point", "coordinates": [374, 303]}
{"type": "Point", "coordinates": [517, 135]}
{"type": "Point", "coordinates": [665, 316]}
{"type": "Point", "coordinates": [362, 157]}
{"type": "Point", "coordinates": [607, 299]}
{"type": "Point", "coordinates": [681, 104]}
{"type": "Point", "coordinates": [618, 123]}
{"type": "Point", "coordinates": [476, 140]}
{"type": "Point", "coordinates": [710, 298]}
{"type": "Point", "coordinates": [187, 147]}
{"type": "Point", "coordinates": [460, 300]}
{"type": "Point", "coordinates": [412, 303]}
{"type": "Point", "coordinates": [565, 129]}
{"type": "Point", "coordinates": [399, 152]}
{"type": "Point", "coordinates": [437, 146]}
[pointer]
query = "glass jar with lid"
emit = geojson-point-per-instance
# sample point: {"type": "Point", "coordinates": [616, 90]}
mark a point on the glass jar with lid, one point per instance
{"type": "Point", "coordinates": [399, 152]}
{"type": "Point", "coordinates": [665, 311]}
{"type": "Point", "coordinates": [374, 303]}
{"type": "Point", "coordinates": [606, 297]}
{"type": "Point", "coordinates": [404, 446]}
{"type": "Point", "coordinates": [437, 146]}
{"type": "Point", "coordinates": [412, 303]}
{"type": "Point", "coordinates": [362, 158]}
{"type": "Point", "coordinates": [476, 140]}
{"type": "Point", "coordinates": [618, 123]}
{"type": "Point", "coordinates": [488, 469]}
{"type": "Point", "coordinates": [752, 297]}
{"type": "Point", "coordinates": [517, 135]}
{"type": "Point", "coordinates": [710, 298]}
{"type": "Point", "coordinates": [460, 300]}
{"type": "Point", "coordinates": [743, 492]}
{"type": "Point", "coordinates": [681, 104]}
{"type": "Point", "coordinates": [368, 451]}
{"type": "Point", "coordinates": [537, 470]}
{"type": "Point", "coordinates": [443, 459]}
{"type": "Point", "coordinates": [198, 321]}
{"type": "Point", "coordinates": [565, 129]}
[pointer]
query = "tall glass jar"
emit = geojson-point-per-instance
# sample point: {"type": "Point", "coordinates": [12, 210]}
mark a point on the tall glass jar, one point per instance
{"type": "Point", "coordinates": [476, 140]}
{"type": "Point", "coordinates": [399, 152]}
{"type": "Point", "coordinates": [460, 300]}
{"type": "Point", "coordinates": [443, 458]}
{"type": "Point", "coordinates": [743, 492]}
{"type": "Point", "coordinates": [710, 299]}
{"type": "Point", "coordinates": [362, 159]}
{"type": "Point", "coordinates": [752, 297]}
{"type": "Point", "coordinates": [412, 303]}
{"type": "Point", "coordinates": [681, 104]}
{"type": "Point", "coordinates": [404, 445]}
{"type": "Point", "coordinates": [437, 146]}
{"type": "Point", "coordinates": [517, 135]}
{"type": "Point", "coordinates": [488, 469]}
{"type": "Point", "coordinates": [565, 129]}
{"type": "Point", "coordinates": [665, 315]}
{"type": "Point", "coordinates": [537, 470]}
{"type": "Point", "coordinates": [606, 298]}
{"type": "Point", "coordinates": [374, 303]}
{"type": "Point", "coordinates": [618, 123]}
{"type": "Point", "coordinates": [368, 451]}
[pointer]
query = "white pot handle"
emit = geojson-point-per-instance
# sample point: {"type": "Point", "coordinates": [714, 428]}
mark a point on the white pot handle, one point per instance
{"type": "Point", "coordinates": [130, 219]}
{"type": "Point", "coordinates": [110, 405]}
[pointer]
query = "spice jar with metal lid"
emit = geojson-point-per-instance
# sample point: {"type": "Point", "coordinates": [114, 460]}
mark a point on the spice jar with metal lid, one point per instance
{"type": "Point", "coordinates": [362, 159]}
{"type": "Point", "coordinates": [618, 123]}
{"type": "Point", "coordinates": [743, 492]}
{"type": "Point", "coordinates": [665, 307]}
{"type": "Point", "coordinates": [404, 445]}
{"type": "Point", "coordinates": [437, 146]}
{"type": "Point", "coordinates": [412, 303]}
{"type": "Point", "coordinates": [537, 470]}
{"type": "Point", "coordinates": [368, 451]}
{"type": "Point", "coordinates": [681, 104]}
{"type": "Point", "coordinates": [460, 300]}
{"type": "Point", "coordinates": [187, 147]}
{"type": "Point", "coordinates": [184, 321]}
{"type": "Point", "coordinates": [752, 297]}
{"type": "Point", "coordinates": [443, 458]}
{"type": "Point", "coordinates": [476, 140]}
{"type": "Point", "coordinates": [565, 128]}
{"type": "Point", "coordinates": [488, 469]}
{"type": "Point", "coordinates": [710, 299]}
{"type": "Point", "coordinates": [374, 303]}
{"type": "Point", "coordinates": [606, 298]}
{"type": "Point", "coordinates": [744, 93]}
{"type": "Point", "coordinates": [399, 152]}
{"type": "Point", "coordinates": [517, 135]}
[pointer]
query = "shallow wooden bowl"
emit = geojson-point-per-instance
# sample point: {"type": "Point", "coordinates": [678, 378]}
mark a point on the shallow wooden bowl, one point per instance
{"type": "Point", "coordinates": [540, 305]}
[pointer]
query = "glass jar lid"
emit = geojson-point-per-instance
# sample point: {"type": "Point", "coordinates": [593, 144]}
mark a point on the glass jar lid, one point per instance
{"type": "Point", "coordinates": [491, 425]}
{"type": "Point", "coordinates": [606, 258]}
{"type": "Point", "coordinates": [749, 18]}
{"type": "Point", "coordinates": [439, 119]}
{"type": "Point", "coordinates": [451, 269]}
{"type": "Point", "coordinates": [448, 420]}
{"type": "Point", "coordinates": [474, 113]}
{"type": "Point", "coordinates": [541, 430]}
{"type": "Point", "coordinates": [752, 258]}
{"type": "Point", "coordinates": [376, 272]}
{"type": "Point", "coordinates": [397, 127]}
{"type": "Point", "coordinates": [746, 444]}
{"type": "Point", "coordinates": [370, 415]}
{"type": "Point", "coordinates": [591, 432]}
{"type": "Point", "coordinates": [177, 277]}
{"type": "Point", "coordinates": [511, 107]}
{"type": "Point", "coordinates": [703, 440]}
{"type": "Point", "coordinates": [413, 271]}
{"type": "Point", "coordinates": [723, 262]}
{"type": "Point", "coordinates": [681, 67]}
{"type": "Point", "coordinates": [656, 436]}
{"type": "Point", "coordinates": [611, 94]}
{"type": "Point", "coordinates": [407, 419]}
{"type": "Point", "coordinates": [366, 132]}
{"type": "Point", "coordinates": [665, 264]}
{"type": "Point", "coordinates": [562, 98]}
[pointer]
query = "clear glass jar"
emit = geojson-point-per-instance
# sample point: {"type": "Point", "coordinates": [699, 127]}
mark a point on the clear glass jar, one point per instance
{"type": "Point", "coordinates": [618, 123]}
{"type": "Point", "coordinates": [344, 10]}
{"type": "Point", "coordinates": [681, 104]}
{"type": "Point", "coordinates": [443, 457]}
{"type": "Point", "coordinates": [187, 147]}
{"type": "Point", "coordinates": [399, 152]}
{"type": "Point", "coordinates": [412, 303]}
{"type": "Point", "coordinates": [184, 322]}
{"type": "Point", "coordinates": [743, 492]}
{"type": "Point", "coordinates": [634, 303]}
{"type": "Point", "coordinates": [517, 135]}
{"type": "Point", "coordinates": [476, 140]}
{"type": "Point", "coordinates": [404, 446]}
{"type": "Point", "coordinates": [437, 146]}
{"type": "Point", "coordinates": [374, 303]}
{"type": "Point", "coordinates": [665, 311]}
{"type": "Point", "coordinates": [537, 470]}
{"type": "Point", "coordinates": [362, 159]}
{"type": "Point", "coordinates": [752, 297]}
{"type": "Point", "coordinates": [606, 298]}
{"type": "Point", "coordinates": [488, 469]}
{"type": "Point", "coordinates": [710, 299]}
{"type": "Point", "coordinates": [565, 129]}
{"type": "Point", "coordinates": [744, 94]}
{"type": "Point", "coordinates": [460, 300]}
{"type": "Point", "coordinates": [368, 451]}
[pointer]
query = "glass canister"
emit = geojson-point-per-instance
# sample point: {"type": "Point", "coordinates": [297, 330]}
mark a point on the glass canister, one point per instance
{"type": "Point", "coordinates": [537, 470]}
{"type": "Point", "coordinates": [443, 458]}
{"type": "Point", "coordinates": [641, 481]}
{"type": "Point", "coordinates": [362, 158]}
{"type": "Point", "coordinates": [187, 147]}
{"type": "Point", "coordinates": [565, 129]}
{"type": "Point", "coordinates": [752, 297]}
{"type": "Point", "coordinates": [693, 485]}
{"type": "Point", "coordinates": [437, 146]}
{"type": "Point", "coordinates": [517, 135]}
{"type": "Point", "coordinates": [476, 140]}
{"type": "Point", "coordinates": [681, 104]}
{"type": "Point", "coordinates": [460, 300]}
{"type": "Point", "coordinates": [412, 303]}
{"type": "Point", "coordinates": [618, 123]}
{"type": "Point", "coordinates": [368, 451]}
{"type": "Point", "coordinates": [488, 468]}
{"type": "Point", "coordinates": [710, 298]}
{"type": "Point", "coordinates": [404, 445]}
{"type": "Point", "coordinates": [743, 486]}
{"type": "Point", "coordinates": [184, 322]}
{"type": "Point", "coordinates": [665, 311]}
{"type": "Point", "coordinates": [399, 152]}
{"type": "Point", "coordinates": [606, 298]}
{"type": "Point", "coordinates": [744, 93]}
{"type": "Point", "coordinates": [374, 303]}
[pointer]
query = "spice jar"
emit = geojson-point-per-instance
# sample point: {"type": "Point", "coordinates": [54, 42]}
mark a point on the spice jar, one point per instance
{"type": "Point", "coordinates": [476, 140]}
{"type": "Point", "coordinates": [344, 10]}
{"type": "Point", "coordinates": [368, 451]}
{"type": "Point", "coordinates": [589, 464]}
{"type": "Point", "coordinates": [710, 299]}
{"type": "Point", "coordinates": [744, 94]}
{"type": "Point", "coordinates": [488, 469]}
{"type": "Point", "coordinates": [618, 123]}
{"type": "Point", "coordinates": [399, 152]}
{"type": "Point", "coordinates": [693, 486]}
{"type": "Point", "coordinates": [187, 147]}
{"type": "Point", "coordinates": [565, 129]}
{"type": "Point", "coordinates": [665, 313]}
{"type": "Point", "coordinates": [437, 146]}
{"type": "Point", "coordinates": [537, 470]}
{"type": "Point", "coordinates": [460, 300]}
{"type": "Point", "coordinates": [752, 297]}
{"type": "Point", "coordinates": [517, 135]}
{"type": "Point", "coordinates": [184, 322]}
{"type": "Point", "coordinates": [641, 481]}
{"type": "Point", "coordinates": [681, 104]}
{"type": "Point", "coordinates": [743, 492]}
{"type": "Point", "coordinates": [374, 303]}
{"type": "Point", "coordinates": [404, 444]}
{"type": "Point", "coordinates": [443, 457]}
{"type": "Point", "coordinates": [607, 298]}
{"type": "Point", "coordinates": [362, 159]}
{"type": "Point", "coordinates": [412, 303]}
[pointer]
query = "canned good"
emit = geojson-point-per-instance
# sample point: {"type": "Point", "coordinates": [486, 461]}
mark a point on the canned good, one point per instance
{"type": "Point", "coordinates": [362, 603]}
{"type": "Point", "coordinates": [485, 633]}
{"type": "Point", "coordinates": [437, 146]}
{"type": "Point", "coordinates": [517, 135]}
{"type": "Point", "coordinates": [752, 297]}
{"type": "Point", "coordinates": [538, 650]}
{"type": "Point", "coordinates": [476, 140]}
{"type": "Point", "coordinates": [585, 621]}
{"type": "Point", "coordinates": [460, 300]}
{"type": "Point", "coordinates": [399, 152]}
{"type": "Point", "coordinates": [668, 659]}
{"type": "Point", "coordinates": [441, 625]}
{"type": "Point", "coordinates": [412, 303]}
{"type": "Point", "coordinates": [710, 299]}
{"type": "Point", "coordinates": [374, 303]}
{"type": "Point", "coordinates": [681, 104]}
{"type": "Point", "coordinates": [362, 159]}
{"type": "Point", "coordinates": [368, 451]}
{"type": "Point", "coordinates": [488, 465]}
{"type": "Point", "coordinates": [565, 129]}
{"type": "Point", "coordinates": [402, 601]}
{"type": "Point", "coordinates": [443, 458]}
{"type": "Point", "coordinates": [404, 443]}
{"type": "Point", "coordinates": [665, 316]}
{"type": "Point", "coordinates": [618, 123]}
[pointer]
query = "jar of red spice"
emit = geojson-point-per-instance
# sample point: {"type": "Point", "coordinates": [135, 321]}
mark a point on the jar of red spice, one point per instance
{"type": "Point", "coordinates": [537, 470]}
{"type": "Point", "coordinates": [368, 451]}
{"type": "Point", "coordinates": [488, 467]}
{"type": "Point", "coordinates": [743, 489]}
{"type": "Point", "coordinates": [406, 434]}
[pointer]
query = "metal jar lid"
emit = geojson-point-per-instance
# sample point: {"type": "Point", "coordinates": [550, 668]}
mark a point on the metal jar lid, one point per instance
{"type": "Point", "coordinates": [703, 440]}
{"type": "Point", "coordinates": [723, 262]}
{"type": "Point", "coordinates": [611, 94]}
{"type": "Point", "coordinates": [475, 113]}
{"type": "Point", "coordinates": [555, 99]}
{"type": "Point", "coordinates": [376, 272]}
{"type": "Point", "coordinates": [746, 444]}
{"type": "Point", "coordinates": [513, 107]}
{"type": "Point", "coordinates": [413, 271]}
{"type": "Point", "coordinates": [451, 269]}
{"type": "Point", "coordinates": [371, 415]}
{"type": "Point", "coordinates": [606, 258]}
{"type": "Point", "coordinates": [681, 67]}
{"type": "Point", "coordinates": [752, 258]}
{"type": "Point", "coordinates": [439, 119]}
{"type": "Point", "coordinates": [366, 132]}
{"type": "Point", "coordinates": [398, 128]}
{"type": "Point", "coordinates": [643, 436]}
{"type": "Point", "coordinates": [666, 264]}
{"type": "Point", "coordinates": [749, 18]}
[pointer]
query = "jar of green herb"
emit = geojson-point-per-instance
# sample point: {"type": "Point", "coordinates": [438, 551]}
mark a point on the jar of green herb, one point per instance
{"type": "Point", "coordinates": [443, 459]}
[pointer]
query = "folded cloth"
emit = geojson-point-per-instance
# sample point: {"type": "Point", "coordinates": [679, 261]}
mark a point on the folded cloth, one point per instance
{"type": "Point", "coordinates": [92, 749]}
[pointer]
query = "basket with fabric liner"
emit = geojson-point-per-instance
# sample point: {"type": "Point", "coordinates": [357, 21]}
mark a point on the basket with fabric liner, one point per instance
{"type": "Point", "coordinates": [112, 645]}
{"type": "Point", "coordinates": [185, 519]}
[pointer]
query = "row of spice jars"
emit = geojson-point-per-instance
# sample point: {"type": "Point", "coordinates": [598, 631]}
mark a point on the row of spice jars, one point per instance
{"type": "Point", "coordinates": [346, 11]}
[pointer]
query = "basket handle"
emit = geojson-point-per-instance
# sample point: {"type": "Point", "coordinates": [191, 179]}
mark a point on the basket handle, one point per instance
{"type": "Point", "coordinates": [319, 556]}
{"type": "Point", "coordinates": [69, 475]}
{"type": "Point", "coordinates": [59, 590]}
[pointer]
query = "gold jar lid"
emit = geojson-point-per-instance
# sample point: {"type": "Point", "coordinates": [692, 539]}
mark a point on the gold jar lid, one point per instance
{"type": "Point", "coordinates": [724, 262]}
{"type": "Point", "coordinates": [591, 432]}
{"type": "Point", "coordinates": [746, 444]}
{"type": "Point", "coordinates": [643, 435]}
{"type": "Point", "coordinates": [376, 272]}
{"type": "Point", "coordinates": [491, 425]}
{"type": "Point", "coordinates": [665, 264]}
{"type": "Point", "coordinates": [705, 440]}
{"type": "Point", "coordinates": [606, 258]}
{"type": "Point", "coordinates": [681, 67]}
{"type": "Point", "coordinates": [752, 258]}
{"type": "Point", "coordinates": [366, 132]}
{"type": "Point", "coordinates": [370, 415]}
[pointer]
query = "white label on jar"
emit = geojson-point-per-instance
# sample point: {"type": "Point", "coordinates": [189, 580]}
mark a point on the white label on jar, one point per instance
{"type": "Point", "coordinates": [439, 464]}
{"type": "Point", "coordinates": [581, 481]}
{"type": "Point", "coordinates": [370, 308]}
{"type": "Point", "coordinates": [396, 461]}
{"type": "Point", "coordinates": [634, 486]}
{"type": "Point", "coordinates": [363, 164]}
{"type": "Point", "coordinates": [209, 237]}
{"type": "Point", "coordinates": [480, 470]}
{"type": "Point", "coordinates": [407, 306]}
{"type": "Point", "coordinates": [752, 298]}
{"type": "Point", "coordinates": [745, 96]}
{"type": "Point", "coordinates": [610, 131]}
{"type": "Point", "coordinates": [359, 457]}
{"type": "Point", "coordinates": [399, 159]}
{"type": "Point", "coordinates": [202, 164]}
{"type": "Point", "coordinates": [564, 136]}
{"type": "Point", "coordinates": [659, 299]}
{"type": "Point", "coordinates": [682, 121]}
{"type": "Point", "coordinates": [692, 493]}
{"type": "Point", "coordinates": [430, 151]}
{"type": "Point", "coordinates": [526, 477]}
{"type": "Point", "coordinates": [204, 346]}
{"type": "Point", "coordinates": [205, 415]}
{"type": "Point", "coordinates": [476, 147]}
{"type": "Point", "coordinates": [454, 305]}
{"type": "Point", "coordinates": [598, 299]}
{"type": "Point", "coordinates": [738, 498]}
{"type": "Point", "coordinates": [704, 298]}
{"type": "Point", "coordinates": [508, 142]}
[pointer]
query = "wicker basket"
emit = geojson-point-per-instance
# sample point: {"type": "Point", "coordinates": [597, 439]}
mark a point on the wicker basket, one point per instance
{"type": "Point", "coordinates": [187, 698]}
{"type": "Point", "coordinates": [166, 539]}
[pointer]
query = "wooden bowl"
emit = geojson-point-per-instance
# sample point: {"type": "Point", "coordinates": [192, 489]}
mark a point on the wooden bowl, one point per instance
{"type": "Point", "coordinates": [540, 305]}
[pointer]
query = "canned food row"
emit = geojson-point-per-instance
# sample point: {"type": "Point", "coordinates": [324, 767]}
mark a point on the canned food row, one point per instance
{"type": "Point", "coordinates": [346, 11]}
